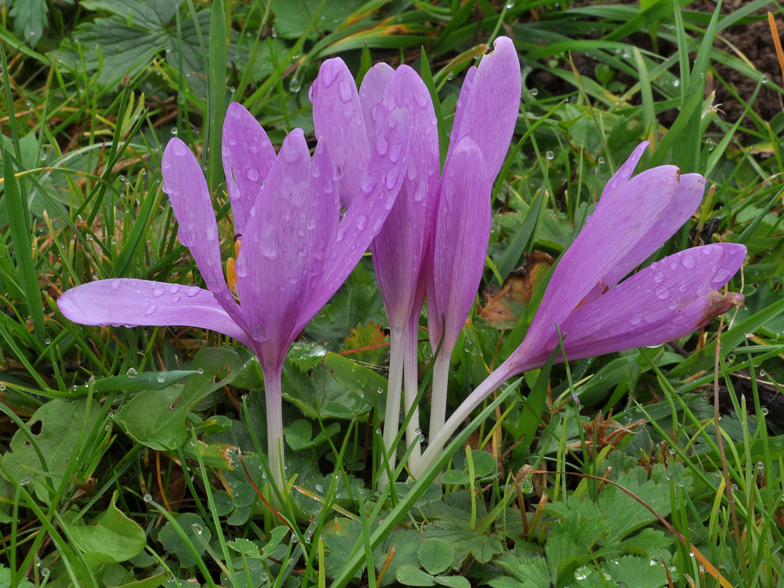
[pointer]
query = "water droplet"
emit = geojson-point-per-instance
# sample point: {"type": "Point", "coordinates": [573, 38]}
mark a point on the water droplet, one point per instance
{"type": "Point", "coordinates": [382, 145]}
{"type": "Point", "coordinates": [550, 155]}
{"type": "Point", "coordinates": [601, 160]}
{"type": "Point", "coordinates": [180, 149]}
{"type": "Point", "coordinates": [344, 89]}
{"type": "Point", "coordinates": [151, 310]}
{"type": "Point", "coordinates": [764, 79]}
{"type": "Point", "coordinates": [158, 292]}
{"type": "Point", "coordinates": [636, 319]}
{"type": "Point", "coordinates": [688, 261]}
{"type": "Point", "coordinates": [392, 178]}
{"type": "Point", "coordinates": [658, 277]}
{"type": "Point", "coordinates": [116, 284]}
{"type": "Point", "coordinates": [44, 572]}
{"type": "Point", "coordinates": [362, 222]}
{"type": "Point", "coordinates": [252, 175]}
{"type": "Point", "coordinates": [131, 373]}
{"type": "Point", "coordinates": [662, 292]}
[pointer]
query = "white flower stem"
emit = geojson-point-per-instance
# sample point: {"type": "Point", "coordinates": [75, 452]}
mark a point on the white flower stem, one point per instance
{"type": "Point", "coordinates": [272, 391]}
{"type": "Point", "coordinates": [439, 438]}
{"type": "Point", "coordinates": [392, 411]}
{"type": "Point", "coordinates": [438, 398]}
{"type": "Point", "coordinates": [412, 389]}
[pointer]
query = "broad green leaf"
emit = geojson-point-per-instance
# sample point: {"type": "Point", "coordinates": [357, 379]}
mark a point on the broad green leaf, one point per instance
{"type": "Point", "coordinates": [412, 576]}
{"type": "Point", "coordinates": [570, 543]}
{"type": "Point", "coordinates": [367, 335]}
{"type": "Point", "coordinates": [111, 535]}
{"type": "Point", "coordinates": [526, 573]}
{"type": "Point", "coordinates": [192, 525]}
{"type": "Point", "coordinates": [436, 556]}
{"type": "Point", "coordinates": [322, 394]}
{"type": "Point", "coordinates": [157, 418]}
{"type": "Point", "coordinates": [29, 19]}
{"type": "Point", "coordinates": [482, 546]}
{"type": "Point", "coordinates": [292, 18]}
{"type": "Point", "coordinates": [56, 427]}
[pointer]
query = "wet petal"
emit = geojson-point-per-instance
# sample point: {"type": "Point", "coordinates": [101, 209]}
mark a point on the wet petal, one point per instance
{"type": "Point", "coordinates": [272, 266]}
{"type": "Point", "coordinates": [248, 156]}
{"type": "Point", "coordinates": [140, 302]}
{"type": "Point", "coordinates": [398, 249]}
{"type": "Point", "coordinates": [662, 302]}
{"type": "Point", "coordinates": [683, 204]}
{"type": "Point", "coordinates": [493, 103]}
{"type": "Point", "coordinates": [371, 92]}
{"type": "Point", "coordinates": [184, 182]}
{"type": "Point", "coordinates": [462, 231]}
{"type": "Point", "coordinates": [363, 220]}
{"type": "Point", "coordinates": [604, 241]}
{"type": "Point", "coordinates": [462, 101]}
{"type": "Point", "coordinates": [339, 121]}
{"type": "Point", "coordinates": [323, 212]}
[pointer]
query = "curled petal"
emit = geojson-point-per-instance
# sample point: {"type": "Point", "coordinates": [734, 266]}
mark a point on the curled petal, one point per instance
{"type": "Point", "coordinates": [140, 302]}
{"type": "Point", "coordinates": [184, 182]}
{"type": "Point", "coordinates": [369, 209]}
{"type": "Point", "coordinates": [665, 301]}
{"type": "Point", "coordinates": [340, 123]}
{"type": "Point", "coordinates": [272, 266]}
{"type": "Point", "coordinates": [462, 231]}
{"type": "Point", "coordinates": [490, 113]}
{"type": "Point", "coordinates": [248, 156]}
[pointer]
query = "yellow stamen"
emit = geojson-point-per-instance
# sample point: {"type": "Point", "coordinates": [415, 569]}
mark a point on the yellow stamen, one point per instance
{"type": "Point", "coordinates": [231, 274]}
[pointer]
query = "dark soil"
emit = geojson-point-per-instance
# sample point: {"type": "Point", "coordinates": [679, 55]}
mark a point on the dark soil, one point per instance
{"type": "Point", "coordinates": [754, 41]}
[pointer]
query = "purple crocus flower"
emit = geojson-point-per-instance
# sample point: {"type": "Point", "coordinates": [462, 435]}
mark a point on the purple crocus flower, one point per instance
{"type": "Point", "coordinates": [484, 123]}
{"type": "Point", "coordinates": [295, 249]}
{"type": "Point", "coordinates": [597, 314]}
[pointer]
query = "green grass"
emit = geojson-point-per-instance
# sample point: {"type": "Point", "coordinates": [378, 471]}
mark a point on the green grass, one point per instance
{"type": "Point", "coordinates": [124, 465]}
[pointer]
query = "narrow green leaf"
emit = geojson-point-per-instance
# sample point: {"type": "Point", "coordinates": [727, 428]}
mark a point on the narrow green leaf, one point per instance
{"type": "Point", "coordinates": [217, 92]}
{"type": "Point", "coordinates": [20, 237]}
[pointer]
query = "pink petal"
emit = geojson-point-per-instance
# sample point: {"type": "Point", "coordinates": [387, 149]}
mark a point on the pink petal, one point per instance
{"type": "Point", "coordinates": [683, 204]}
{"type": "Point", "coordinates": [398, 249]}
{"type": "Point", "coordinates": [339, 122]}
{"type": "Point", "coordinates": [140, 302]}
{"type": "Point", "coordinates": [363, 220]}
{"type": "Point", "coordinates": [184, 182]}
{"type": "Point", "coordinates": [272, 267]}
{"type": "Point", "coordinates": [371, 92]}
{"type": "Point", "coordinates": [493, 103]}
{"type": "Point", "coordinates": [667, 300]}
{"type": "Point", "coordinates": [608, 236]}
{"type": "Point", "coordinates": [462, 231]}
{"type": "Point", "coordinates": [462, 101]}
{"type": "Point", "coordinates": [248, 156]}
{"type": "Point", "coordinates": [323, 212]}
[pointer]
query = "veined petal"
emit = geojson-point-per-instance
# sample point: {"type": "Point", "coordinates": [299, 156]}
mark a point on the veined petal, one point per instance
{"type": "Point", "coordinates": [398, 249]}
{"type": "Point", "coordinates": [604, 241]}
{"type": "Point", "coordinates": [683, 204]}
{"type": "Point", "coordinates": [369, 209]}
{"type": "Point", "coordinates": [339, 121]}
{"type": "Point", "coordinates": [493, 103]}
{"type": "Point", "coordinates": [460, 108]}
{"type": "Point", "coordinates": [248, 156]}
{"type": "Point", "coordinates": [371, 92]}
{"type": "Point", "coordinates": [662, 302]}
{"type": "Point", "coordinates": [323, 212]}
{"type": "Point", "coordinates": [184, 182]}
{"type": "Point", "coordinates": [141, 302]}
{"type": "Point", "coordinates": [272, 266]}
{"type": "Point", "coordinates": [462, 231]}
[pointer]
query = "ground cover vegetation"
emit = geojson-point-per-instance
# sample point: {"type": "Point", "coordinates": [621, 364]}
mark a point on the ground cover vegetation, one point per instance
{"type": "Point", "coordinates": [138, 456]}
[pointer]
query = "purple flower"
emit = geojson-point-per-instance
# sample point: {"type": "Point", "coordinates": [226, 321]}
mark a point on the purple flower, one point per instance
{"type": "Point", "coordinates": [596, 314]}
{"type": "Point", "coordinates": [483, 126]}
{"type": "Point", "coordinates": [295, 249]}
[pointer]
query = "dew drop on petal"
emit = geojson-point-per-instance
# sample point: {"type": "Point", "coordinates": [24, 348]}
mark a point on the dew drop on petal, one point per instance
{"type": "Point", "coordinates": [636, 319]}
{"type": "Point", "coordinates": [252, 175]}
{"type": "Point", "coordinates": [688, 261]}
{"type": "Point", "coordinates": [382, 145]}
{"type": "Point", "coordinates": [662, 292]}
{"type": "Point", "coordinates": [193, 290]}
{"type": "Point", "coordinates": [175, 300]}
{"type": "Point", "coordinates": [179, 149]}
{"type": "Point", "coordinates": [362, 222]}
{"type": "Point", "coordinates": [392, 178]}
{"type": "Point", "coordinates": [151, 310]}
{"type": "Point", "coordinates": [345, 91]}
{"type": "Point", "coordinates": [658, 277]}
{"type": "Point", "coordinates": [115, 284]}
{"type": "Point", "coordinates": [158, 292]}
